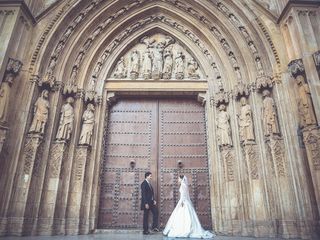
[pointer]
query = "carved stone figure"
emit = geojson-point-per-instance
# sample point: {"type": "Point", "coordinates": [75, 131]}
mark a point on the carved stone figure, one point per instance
{"type": "Point", "coordinates": [92, 84]}
{"type": "Point", "coordinates": [269, 115]}
{"type": "Point", "coordinates": [179, 66]}
{"type": "Point", "coordinates": [4, 101]}
{"type": "Point", "coordinates": [120, 71]}
{"type": "Point", "coordinates": [316, 57]}
{"type": "Point", "coordinates": [246, 122]}
{"type": "Point", "coordinates": [252, 47]}
{"type": "Point", "coordinates": [147, 64]}
{"type": "Point", "coordinates": [192, 68]}
{"type": "Point", "coordinates": [223, 127]}
{"type": "Point", "coordinates": [168, 62]}
{"type": "Point", "coordinates": [134, 63]}
{"type": "Point", "coordinates": [87, 126]}
{"type": "Point", "coordinates": [40, 113]}
{"type": "Point", "coordinates": [157, 66]}
{"type": "Point", "coordinates": [66, 120]}
{"type": "Point", "coordinates": [305, 106]}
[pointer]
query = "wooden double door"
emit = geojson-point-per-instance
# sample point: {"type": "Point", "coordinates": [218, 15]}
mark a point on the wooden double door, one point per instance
{"type": "Point", "coordinates": [164, 136]}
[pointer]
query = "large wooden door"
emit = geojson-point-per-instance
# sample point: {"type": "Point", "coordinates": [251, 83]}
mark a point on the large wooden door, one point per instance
{"type": "Point", "coordinates": [153, 135]}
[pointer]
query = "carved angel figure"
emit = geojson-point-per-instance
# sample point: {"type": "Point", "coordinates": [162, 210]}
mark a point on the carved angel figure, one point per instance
{"type": "Point", "coordinates": [246, 122]}
{"type": "Point", "coordinates": [87, 126]}
{"type": "Point", "coordinates": [269, 114]}
{"type": "Point", "coordinates": [40, 113]}
{"type": "Point", "coordinates": [135, 62]}
{"type": "Point", "coordinates": [66, 120]}
{"type": "Point", "coordinates": [223, 127]}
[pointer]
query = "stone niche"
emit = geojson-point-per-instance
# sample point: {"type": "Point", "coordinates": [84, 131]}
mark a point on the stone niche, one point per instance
{"type": "Point", "coordinates": [156, 57]}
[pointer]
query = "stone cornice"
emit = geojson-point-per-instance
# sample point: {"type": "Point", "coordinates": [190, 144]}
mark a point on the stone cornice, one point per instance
{"type": "Point", "coordinates": [20, 3]}
{"type": "Point", "coordinates": [293, 3]}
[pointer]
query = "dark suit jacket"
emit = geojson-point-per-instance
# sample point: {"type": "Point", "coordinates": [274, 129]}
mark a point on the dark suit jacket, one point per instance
{"type": "Point", "coordinates": [147, 195]}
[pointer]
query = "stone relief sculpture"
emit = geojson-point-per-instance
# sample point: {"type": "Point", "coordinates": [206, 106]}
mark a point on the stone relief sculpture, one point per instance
{"type": "Point", "coordinates": [168, 63]}
{"type": "Point", "coordinates": [40, 113]}
{"type": "Point", "coordinates": [179, 66]}
{"type": "Point", "coordinates": [4, 101]}
{"type": "Point", "coordinates": [121, 70]}
{"type": "Point", "coordinates": [192, 68]}
{"type": "Point", "coordinates": [223, 127]}
{"type": "Point", "coordinates": [147, 64]}
{"type": "Point", "coordinates": [246, 122]}
{"type": "Point", "coordinates": [316, 57]}
{"type": "Point", "coordinates": [134, 64]}
{"type": "Point", "coordinates": [305, 106]}
{"type": "Point", "coordinates": [66, 120]}
{"type": "Point", "coordinates": [269, 115]}
{"type": "Point", "coordinates": [87, 126]}
{"type": "Point", "coordinates": [157, 67]}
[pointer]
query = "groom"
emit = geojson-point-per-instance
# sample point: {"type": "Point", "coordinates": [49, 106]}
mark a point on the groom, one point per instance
{"type": "Point", "coordinates": [148, 203]}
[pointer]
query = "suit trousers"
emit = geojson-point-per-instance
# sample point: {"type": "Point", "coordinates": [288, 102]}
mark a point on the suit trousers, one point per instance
{"type": "Point", "coordinates": [154, 211]}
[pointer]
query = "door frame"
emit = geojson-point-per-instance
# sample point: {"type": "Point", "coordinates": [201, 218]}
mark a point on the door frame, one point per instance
{"type": "Point", "coordinates": [117, 89]}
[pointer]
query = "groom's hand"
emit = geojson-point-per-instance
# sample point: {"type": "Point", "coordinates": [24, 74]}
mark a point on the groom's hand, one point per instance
{"type": "Point", "coordinates": [147, 206]}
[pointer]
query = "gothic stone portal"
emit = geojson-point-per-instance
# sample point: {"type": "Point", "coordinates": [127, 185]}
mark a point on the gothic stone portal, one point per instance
{"type": "Point", "coordinates": [153, 135]}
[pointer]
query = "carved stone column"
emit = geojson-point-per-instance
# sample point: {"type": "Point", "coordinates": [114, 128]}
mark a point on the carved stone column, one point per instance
{"type": "Point", "coordinates": [23, 179]}
{"type": "Point", "coordinates": [50, 189]}
{"type": "Point", "coordinates": [76, 188]}
{"type": "Point", "coordinates": [12, 70]}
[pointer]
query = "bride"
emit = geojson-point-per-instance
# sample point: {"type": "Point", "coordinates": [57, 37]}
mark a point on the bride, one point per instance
{"type": "Point", "coordinates": [184, 221]}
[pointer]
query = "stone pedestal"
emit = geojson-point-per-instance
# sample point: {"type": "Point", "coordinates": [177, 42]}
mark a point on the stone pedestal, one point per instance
{"type": "Point", "coordinates": [23, 179]}
{"type": "Point", "coordinates": [50, 191]}
{"type": "Point", "coordinates": [76, 188]}
{"type": "Point", "coordinates": [311, 139]}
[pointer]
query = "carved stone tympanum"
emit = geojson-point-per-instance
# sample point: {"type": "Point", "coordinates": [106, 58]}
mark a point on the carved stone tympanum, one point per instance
{"type": "Point", "coordinates": [66, 120]}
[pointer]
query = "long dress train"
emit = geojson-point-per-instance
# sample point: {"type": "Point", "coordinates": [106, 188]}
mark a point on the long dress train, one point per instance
{"type": "Point", "coordinates": [184, 221]}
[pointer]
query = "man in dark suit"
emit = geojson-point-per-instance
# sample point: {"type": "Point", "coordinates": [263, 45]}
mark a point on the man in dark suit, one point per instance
{"type": "Point", "coordinates": [148, 203]}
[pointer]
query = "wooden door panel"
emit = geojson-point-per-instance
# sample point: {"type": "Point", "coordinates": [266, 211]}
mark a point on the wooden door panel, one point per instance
{"type": "Point", "coordinates": [155, 134]}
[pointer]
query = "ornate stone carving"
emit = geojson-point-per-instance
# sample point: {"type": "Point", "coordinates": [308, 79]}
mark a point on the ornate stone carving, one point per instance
{"type": "Point", "coordinates": [269, 115]}
{"type": "Point", "coordinates": [305, 106]}
{"type": "Point", "coordinates": [121, 69]}
{"type": "Point", "coordinates": [179, 65]}
{"type": "Point", "coordinates": [134, 64]}
{"type": "Point", "coordinates": [311, 139]}
{"type": "Point", "coordinates": [276, 148]}
{"type": "Point", "coordinates": [40, 113]}
{"type": "Point", "coordinates": [246, 122]}
{"type": "Point", "coordinates": [227, 155]}
{"type": "Point", "coordinates": [55, 159]}
{"type": "Point", "coordinates": [316, 57]}
{"type": "Point", "coordinates": [66, 120]}
{"type": "Point", "coordinates": [147, 64]}
{"type": "Point", "coordinates": [87, 126]}
{"type": "Point", "coordinates": [251, 154]}
{"type": "Point", "coordinates": [157, 66]}
{"type": "Point", "coordinates": [192, 68]}
{"type": "Point", "coordinates": [12, 70]}
{"type": "Point", "coordinates": [30, 150]}
{"type": "Point", "coordinates": [223, 127]}
{"type": "Point", "coordinates": [168, 64]}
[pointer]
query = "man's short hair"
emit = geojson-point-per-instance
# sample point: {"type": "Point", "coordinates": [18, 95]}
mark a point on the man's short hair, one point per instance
{"type": "Point", "coordinates": [147, 174]}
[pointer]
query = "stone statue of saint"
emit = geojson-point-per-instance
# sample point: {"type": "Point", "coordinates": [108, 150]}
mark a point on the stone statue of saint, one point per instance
{"type": "Point", "coordinates": [223, 127]}
{"type": "Point", "coordinates": [246, 122]}
{"type": "Point", "coordinates": [305, 106]}
{"type": "Point", "coordinates": [87, 126]}
{"type": "Point", "coordinates": [4, 101]}
{"type": "Point", "coordinates": [269, 115]}
{"type": "Point", "coordinates": [41, 113]}
{"type": "Point", "coordinates": [179, 65]}
{"type": "Point", "coordinates": [135, 62]}
{"type": "Point", "coordinates": [167, 66]}
{"type": "Point", "coordinates": [120, 71]}
{"type": "Point", "coordinates": [147, 64]}
{"type": "Point", "coordinates": [192, 68]}
{"type": "Point", "coordinates": [66, 120]}
{"type": "Point", "coordinates": [157, 66]}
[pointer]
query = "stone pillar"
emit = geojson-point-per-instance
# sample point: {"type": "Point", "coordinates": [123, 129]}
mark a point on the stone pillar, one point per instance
{"type": "Point", "coordinates": [50, 189]}
{"type": "Point", "coordinates": [23, 179]}
{"type": "Point", "coordinates": [76, 188]}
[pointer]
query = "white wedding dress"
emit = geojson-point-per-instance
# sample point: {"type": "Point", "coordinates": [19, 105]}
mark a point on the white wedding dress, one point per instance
{"type": "Point", "coordinates": [184, 221]}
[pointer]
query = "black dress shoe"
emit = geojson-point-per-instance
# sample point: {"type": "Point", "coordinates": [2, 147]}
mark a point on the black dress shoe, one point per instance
{"type": "Point", "coordinates": [146, 233]}
{"type": "Point", "coordinates": [155, 230]}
